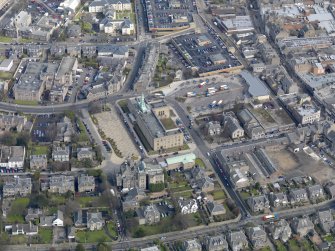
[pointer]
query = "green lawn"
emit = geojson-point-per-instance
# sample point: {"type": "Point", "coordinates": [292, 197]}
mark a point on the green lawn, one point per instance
{"type": "Point", "coordinates": [92, 236]}
{"type": "Point", "coordinates": [244, 195]}
{"type": "Point", "coordinates": [25, 102]}
{"type": "Point", "coordinates": [83, 134]}
{"type": "Point", "coordinates": [18, 206]}
{"type": "Point", "coordinates": [168, 123]}
{"type": "Point", "coordinates": [57, 199]}
{"type": "Point", "coordinates": [4, 39]}
{"type": "Point", "coordinates": [85, 201]}
{"type": "Point", "coordinates": [45, 234]}
{"type": "Point", "coordinates": [199, 162]}
{"type": "Point", "coordinates": [39, 150]}
{"type": "Point", "coordinates": [328, 238]}
{"type": "Point", "coordinates": [5, 75]}
{"type": "Point", "coordinates": [185, 194]}
{"type": "Point", "coordinates": [306, 245]}
{"type": "Point", "coordinates": [25, 40]}
{"type": "Point", "coordinates": [112, 229]}
{"type": "Point", "coordinates": [18, 239]}
{"type": "Point", "coordinates": [218, 195]}
{"type": "Point", "coordinates": [265, 249]}
{"type": "Point", "coordinates": [180, 189]}
{"type": "Point", "coordinates": [280, 246]}
{"type": "Point", "coordinates": [293, 245]}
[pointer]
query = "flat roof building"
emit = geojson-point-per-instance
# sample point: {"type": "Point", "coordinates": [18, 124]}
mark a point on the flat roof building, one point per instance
{"type": "Point", "coordinates": [6, 65]}
{"type": "Point", "coordinates": [257, 88]}
{"type": "Point", "coordinates": [150, 119]}
{"type": "Point", "coordinates": [237, 24]}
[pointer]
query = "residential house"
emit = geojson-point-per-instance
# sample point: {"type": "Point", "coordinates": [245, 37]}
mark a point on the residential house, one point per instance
{"type": "Point", "coordinates": [17, 187]}
{"type": "Point", "coordinates": [315, 192]}
{"type": "Point", "coordinates": [38, 162]}
{"type": "Point", "coordinates": [59, 184]}
{"type": "Point", "coordinates": [258, 203]}
{"type": "Point", "coordinates": [232, 127]}
{"type": "Point", "coordinates": [302, 226]}
{"type": "Point", "coordinates": [150, 215]}
{"type": "Point", "coordinates": [114, 51]}
{"type": "Point", "coordinates": [84, 153]}
{"type": "Point", "coordinates": [74, 50]}
{"type": "Point", "coordinates": [65, 128]}
{"type": "Point", "coordinates": [298, 196]}
{"type": "Point", "coordinates": [216, 243]}
{"type": "Point", "coordinates": [139, 175]}
{"type": "Point", "coordinates": [278, 200]}
{"type": "Point", "coordinates": [32, 214]}
{"type": "Point", "coordinates": [281, 230]}
{"type": "Point", "coordinates": [54, 220]}
{"type": "Point", "coordinates": [326, 220]}
{"type": "Point", "coordinates": [80, 219]}
{"type": "Point", "coordinates": [213, 128]}
{"type": "Point", "coordinates": [101, 5]}
{"type": "Point", "coordinates": [215, 208]}
{"type": "Point", "coordinates": [61, 154]}
{"type": "Point", "coordinates": [257, 237]}
{"type": "Point", "coordinates": [191, 245]}
{"type": "Point", "coordinates": [89, 51]}
{"type": "Point", "coordinates": [26, 229]}
{"type": "Point", "coordinates": [132, 199]}
{"type": "Point", "coordinates": [237, 240]}
{"type": "Point", "coordinates": [57, 50]}
{"type": "Point", "coordinates": [95, 221]}
{"type": "Point", "coordinates": [188, 206]}
{"type": "Point", "coordinates": [239, 179]}
{"type": "Point", "coordinates": [205, 184]}
{"type": "Point", "coordinates": [59, 219]}
{"type": "Point", "coordinates": [12, 156]}
{"type": "Point", "coordinates": [12, 122]}
{"type": "Point", "coordinates": [86, 183]}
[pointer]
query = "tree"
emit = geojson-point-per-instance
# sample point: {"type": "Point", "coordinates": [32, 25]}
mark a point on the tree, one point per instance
{"type": "Point", "coordinates": [70, 114]}
{"type": "Point", "coordinates": [94, 108]}
{"type": "Point", "coordinates": [80, 247]}
{"type": "Point", "coordinates": [8, 139]}
{"type": "Point", "coordinates": [156, 187]}
{"type": "Point", "coordinates": [38, 201]}
{"type": "Point", "coordinates": [103, 247]}
{"type": "Point", "coordinates": [23, 139]}
{"type": "Point", "coordinates": [86, 163]}
{"type": "Point", "coordinates": [98, 152]}
{"type": "Point", "coordinates": [86, 27]}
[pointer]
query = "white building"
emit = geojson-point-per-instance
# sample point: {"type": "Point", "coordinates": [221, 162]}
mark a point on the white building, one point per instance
{"type": "Point", "coordinates": [110, 26]}
{"type": "Point", "coordinates": [12, 156]}
{"type": "Point", "coordinates": [101, 5]}
{"type": "Point", "coordinates": [188, 206]}
{"type": "Point", "coordinates": [59, 220]}
{"type": "Point", "coordinates": [6, 65]}
{"type": "Point", "coordinates": [70, 5]}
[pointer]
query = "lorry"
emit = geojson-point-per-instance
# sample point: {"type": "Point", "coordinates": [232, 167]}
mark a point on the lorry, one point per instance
{"type": "Point", "coordinates": [191, 94]}
{"type": "Point", "coordinates": [270, 217]}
